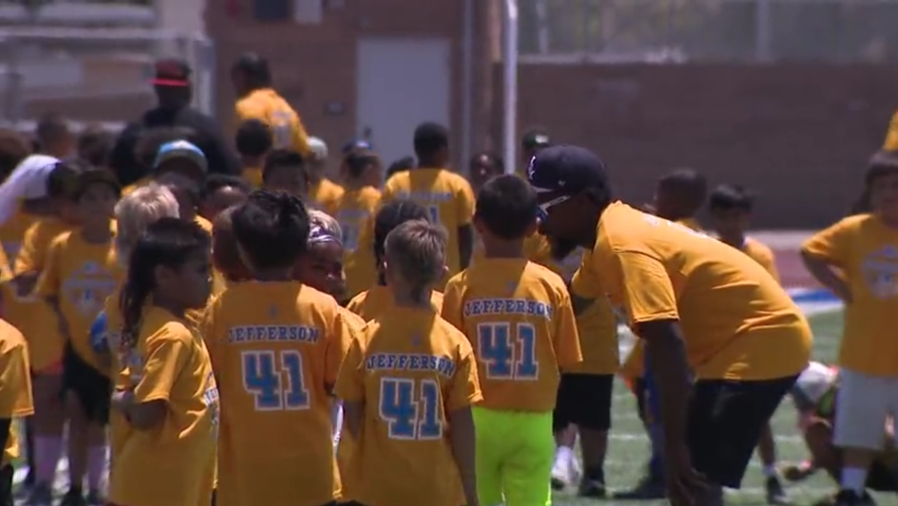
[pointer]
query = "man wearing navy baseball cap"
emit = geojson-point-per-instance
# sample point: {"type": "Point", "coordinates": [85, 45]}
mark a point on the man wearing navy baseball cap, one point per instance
{"type": "Point", "coordinates": [701, 306]}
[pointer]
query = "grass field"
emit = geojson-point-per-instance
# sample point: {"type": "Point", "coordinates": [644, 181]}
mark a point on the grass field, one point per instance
{"type": "Point", "coordinates": [628, 448]}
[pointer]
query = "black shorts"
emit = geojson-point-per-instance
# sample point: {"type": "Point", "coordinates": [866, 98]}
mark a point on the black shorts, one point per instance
{"type": "Point", "coordinates": [881, 478]}
{"type": "Point", "coordinates": [584, 400]}
{"type": "Point", "coordinates": [94, 390]}
{"type": "Point", "coordinates": [725, 419]}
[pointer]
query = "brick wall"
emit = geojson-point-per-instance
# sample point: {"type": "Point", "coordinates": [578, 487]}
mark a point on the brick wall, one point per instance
{"type": "Point", "coordinates": [799, 135]}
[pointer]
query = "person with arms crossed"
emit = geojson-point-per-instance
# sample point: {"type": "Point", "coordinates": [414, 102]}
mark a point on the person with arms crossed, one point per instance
{"type": "Point", "coordinates": [165, 390]}
{"type": "Point", "coordinates": [857, 259]}
{"type": "Point", "coordinates": [700, 306]}
{"type": "Point", "coordinates": [518, 316]}
{"type": "Point", "coordinates": [447, 196]}
{"type": "Point", "coordinates": [276, 346]}
{"type": "Point", "coordinates": [408, 384]}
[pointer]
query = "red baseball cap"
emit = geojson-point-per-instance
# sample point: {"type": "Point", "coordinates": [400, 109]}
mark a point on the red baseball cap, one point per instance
{"type": "Point", "coordinates": [171, 72]}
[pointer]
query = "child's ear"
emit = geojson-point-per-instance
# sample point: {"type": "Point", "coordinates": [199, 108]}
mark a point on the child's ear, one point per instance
{"type": "Point", "coordinates": [445, 271]}
{"type": "Point", "coordinates": [478, 225]}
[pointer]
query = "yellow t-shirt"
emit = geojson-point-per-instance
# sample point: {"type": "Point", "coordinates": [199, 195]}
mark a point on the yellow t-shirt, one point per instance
{"type": "Point", "coordinates": [81, 275]}
{"type": "Point", "coordinates": [866, 251]}
{"type": "Point", "coordinates": [355, 213]}
{"type": "Point", "coordinates": [12, 234]}
{"type": "Point", "coordinates": [891, 141]}
{"type": "Point", "coordinates": [171, 364]}
{"type": "Point", "coordinates": [446, 195]}
{"type": "Point", "coordinates": [410, 369]}
{"type": "Point", "coordinates": [35, 319]}
{"type": "Point", "coordinates": [326, 195]}
{"type": "Point", "coordinates": [519, 319]}
{"type": "Point", "coordinates": [15, 386]}
{"type": "Point", "coordinates": [276, 348]}
{"type": "Point", "coordinates": [596, 325]}
{"type": "Point", "coordinates": [253, 176]}
{"type": "Point", "coordinates": [378, 299]}
{"type": "Point", "coordinates": [737, 322]}
{"type": "Point", "coordinates": [267, 106]}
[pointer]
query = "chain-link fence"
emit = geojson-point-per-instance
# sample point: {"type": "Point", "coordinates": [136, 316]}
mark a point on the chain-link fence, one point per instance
{"type": "Point", "coordinates": [842, 31]}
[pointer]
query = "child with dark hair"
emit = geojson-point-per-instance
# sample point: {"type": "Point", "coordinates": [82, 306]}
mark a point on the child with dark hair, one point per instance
{"type": "Point", "coordinates": [355, 213]}
{"type": "Point", "coordinates": [253, 141]}
{"type": "Point", "coordinates": [483, 167]}
{"type": "Point", "coordinates": [303, 341]}
{"type": "Point", "coordinates": [393, 429]}
{"type": "Point", "coordinates": [95, 146]}
{"type": "Point", "coordinates": [81, 271]}
{"type": "Point", "coordinates": [35, 321]}
{"type": "Point", "coordinates": [856, 259]}
{"type": "Point", "coordinates": [680, 195]}
{"type": "Point", "coordinates": [520, 351]}
{"type": "Point", "coordinates": [166, 390]}
{"type": "Point", "coordinates": [731, 207]}
{"type": "Point", "coordinates": [221, 192]}
{"type": "Point", "coordinates": [286, 171]}
{"type": "Point", "coordinates": [377, 299]}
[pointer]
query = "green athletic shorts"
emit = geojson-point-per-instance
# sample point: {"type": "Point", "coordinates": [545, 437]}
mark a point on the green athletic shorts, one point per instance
{"type": "Point", "coordinates": [515, 452]}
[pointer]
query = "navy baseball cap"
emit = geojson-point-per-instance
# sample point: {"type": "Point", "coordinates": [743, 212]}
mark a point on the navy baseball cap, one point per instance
{"type": "Point", "coordinates": [566, 168]}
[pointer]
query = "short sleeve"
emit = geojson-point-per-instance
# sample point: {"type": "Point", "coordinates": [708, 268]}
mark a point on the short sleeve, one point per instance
{"type": "Point", "coordinates": [465, 388]}
{"type": "Point", "coordinates": [166, 356]}
{"type": "Point", "coordinates": [336, 346]}
{"type": "Point", "coordinates": [27, 261]}
{"type": "Point", "coordinates": [452, 303]}
{"type": "Point", "coordinates": [585, 282]}
{"type": "Point", "coordinates": [831, 244]}
{"type": "Point", "coordinates": [15, 377]}
{"type": "Point", "coordinates": [350, 385]}
{"type": "Point", "coordinates": [646, 291]}
{"type": "Point", "coordinates": [567, 337]}
{"type": "Point", "coordinates": [465, 200]}
{"type": "Point", "coordinates": [50, 281]}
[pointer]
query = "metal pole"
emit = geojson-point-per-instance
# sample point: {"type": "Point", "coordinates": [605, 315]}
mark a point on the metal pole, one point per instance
{"type": "Point", "coordinates": [510, 60]}
{"type": "Point", "coordinates": [467, 70]}
{"type": "Point", "coordinates": [762, 30]}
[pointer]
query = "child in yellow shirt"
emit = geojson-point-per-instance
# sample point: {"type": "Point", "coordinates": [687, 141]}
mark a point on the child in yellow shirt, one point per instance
{"type": "Point", "coordinates": [81, 271]}
{"type": "Point", "coordinates": [169, 397]}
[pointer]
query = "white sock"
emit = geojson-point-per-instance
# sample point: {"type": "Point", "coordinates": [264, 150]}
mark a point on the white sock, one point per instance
{"type": "Point", "coordinates": [770, 471]}
{"type": "Point", "coordinates": [854, 478]}
{"type": "Point", "coordinates": [563, 454]}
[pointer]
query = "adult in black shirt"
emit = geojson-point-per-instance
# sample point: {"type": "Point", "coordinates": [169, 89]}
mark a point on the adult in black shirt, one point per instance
{"type": "Point", "coordinates": [173, 94]}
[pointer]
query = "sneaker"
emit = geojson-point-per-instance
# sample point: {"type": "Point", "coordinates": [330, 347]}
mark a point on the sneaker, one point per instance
{"type": "Point", "coordinates": [799, 472]}
{"type": "Point", "coordinates": [95, 497]}
{"type": "Point", "coordinates": [592, 484]}
{"type": "Point", "coordinates": [775, 493]}
{"type": "Point", "coordinates": [41, 495]}
{"type": "Point", "coordinates": [649, 487]}
{"type": "Point", "coordinates": [851, 498]}
{"type": "Point", "coordinates": [561, 474]}
{"type": "Point", "coordinates": [74, 497]}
